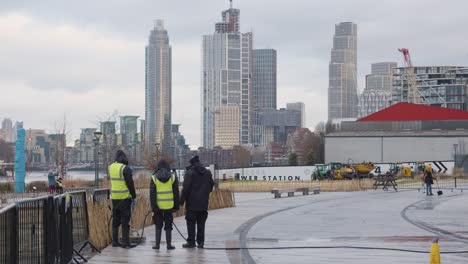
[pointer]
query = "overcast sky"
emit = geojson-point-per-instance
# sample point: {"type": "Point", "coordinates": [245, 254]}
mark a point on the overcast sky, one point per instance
{"type": "Point", "coordinates": [86, 58]}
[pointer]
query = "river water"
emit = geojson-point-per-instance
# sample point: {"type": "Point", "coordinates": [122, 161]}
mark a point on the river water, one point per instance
{"type": "Point", "coordinates": [77, 175]}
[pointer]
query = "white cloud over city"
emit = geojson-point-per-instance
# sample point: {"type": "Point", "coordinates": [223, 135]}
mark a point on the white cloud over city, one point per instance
{"type": "Point", "coordinates": [86, 58]}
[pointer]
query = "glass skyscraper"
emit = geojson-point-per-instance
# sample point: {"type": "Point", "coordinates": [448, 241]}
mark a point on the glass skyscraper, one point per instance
{"type": "Point", "coordinates": [342, 91]}
{"type": "Point", "coordinates": [226, 78]}
{"type": "Point", "coordinates": [158, 90]}
{"type": "Point", "coordinates": [264, 90]}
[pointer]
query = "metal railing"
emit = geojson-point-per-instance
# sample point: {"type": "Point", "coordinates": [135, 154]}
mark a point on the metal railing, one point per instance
{"type": "Point", "coordinates": [80, 220]}
{"type": "Point", "coordinates": [64, 228]}
{"type": "Point", "coordinates": [100, 195]}
{"type": "Point", "coordinates": [33, 230]}
{"type": "Point", "coordinates": [440, 182]}
{"type": "Point", "coordinates": [8, 238]}
{"type": "Point", "coordinates": [45, 230]}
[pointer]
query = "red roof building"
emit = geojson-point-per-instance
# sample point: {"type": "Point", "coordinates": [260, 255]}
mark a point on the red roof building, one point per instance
{"type": "Point", "coordinates": [415, 112]}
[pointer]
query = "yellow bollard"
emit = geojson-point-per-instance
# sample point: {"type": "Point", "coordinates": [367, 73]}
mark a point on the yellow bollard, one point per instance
{"type": "Point", "coordinates": [435, 252]}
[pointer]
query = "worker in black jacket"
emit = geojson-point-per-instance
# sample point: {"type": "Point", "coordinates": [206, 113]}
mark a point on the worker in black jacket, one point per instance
{"type": "Point", "coordinates": [123, 197]}
{"type": "Point", "coordinates": [198, 184]}
{"type": "Point", "coordinates": [164, 197]}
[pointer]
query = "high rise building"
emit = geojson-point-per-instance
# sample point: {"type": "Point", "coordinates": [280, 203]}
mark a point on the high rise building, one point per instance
{"type": "Point", "coordinates": [7, 128]}
{"type": "Point", "coordinates": [128, 129]}
{"type": "Point", "coordinates": [381, 76]}
{"type": "Point", "coordinates": [180, 148]}
{"type": "Point", "coordinates": [377, 94]}
{"type": "Point", "coordinates": [158, 90]}
{"type": "Point", "coordinates": [264, 90]}
{"type": "Point", "coordinates": [264, 79]}
{"type": "Point", "coordinates": [278, 124]}
{"type": "Point", "coordinates": [342, 91]}
{"type": "Point", "coordinates": [226, 76]}
{"type": "Point", "coordinates": [227, 128]}
{"type": "Point", "coordinates": [298, 106]}
{"type": "Point", "coordinates": [86, 145]}
{"type": "Point", "coordinates": [443, 86]}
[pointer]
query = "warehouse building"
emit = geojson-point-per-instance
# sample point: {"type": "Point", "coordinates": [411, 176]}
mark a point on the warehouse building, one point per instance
{"type": "Point", "coordinates": [401, 133]}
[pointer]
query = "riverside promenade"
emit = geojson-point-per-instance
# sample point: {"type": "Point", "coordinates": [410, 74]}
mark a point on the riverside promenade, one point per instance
{"type": "Point", "coordinates": [402, 220]}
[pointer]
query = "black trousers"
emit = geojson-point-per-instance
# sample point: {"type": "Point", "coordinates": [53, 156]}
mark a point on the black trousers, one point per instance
{"type": "Point", "coordinates": [198, 219]}
{"type": "Point", "coordinates": [163, 218]}
{"type": "Point", "coordinates": [121, 213]}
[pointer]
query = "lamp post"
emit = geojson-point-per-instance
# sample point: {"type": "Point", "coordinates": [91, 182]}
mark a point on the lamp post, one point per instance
{"type": "Point", "coordinates": [97, 137]}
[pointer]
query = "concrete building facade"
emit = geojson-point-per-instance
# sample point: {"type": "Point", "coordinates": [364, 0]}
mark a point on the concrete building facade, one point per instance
{"type": "Point", "coordinates": [342, 91]}
{"type": "Point", "coordinates": [298, 106]}
{"type": "Point", "coordinates": [226, 76]}
{"type": "Point", "coordinates": [442, 86]}
{"type": "Point", "coordinates": [7, 129]}
{"type": "Point", "coordinates": [227, 130]}
{"type": "Point", "coordinates": [158, 92]}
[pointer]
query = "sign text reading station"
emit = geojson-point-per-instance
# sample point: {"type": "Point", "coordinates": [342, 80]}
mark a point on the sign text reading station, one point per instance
{"type": "Point", "coordinates": [270, 178]}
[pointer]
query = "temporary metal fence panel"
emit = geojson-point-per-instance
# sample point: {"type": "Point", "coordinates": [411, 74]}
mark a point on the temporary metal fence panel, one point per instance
{"type": "Point", "coordinates": [100, 195]}
{"type": "Point", "coordinates": [80, 223]}
{"type": "Point", "coordinates": [64, 209]}
{"type": "Point", "coordinates": [32, 230]}
{"type": "Point", "coordinates": [8, 238]}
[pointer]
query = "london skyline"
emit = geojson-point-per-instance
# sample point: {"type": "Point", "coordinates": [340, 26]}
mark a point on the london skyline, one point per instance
{"type": "Point", "coordinates": [86, 66]}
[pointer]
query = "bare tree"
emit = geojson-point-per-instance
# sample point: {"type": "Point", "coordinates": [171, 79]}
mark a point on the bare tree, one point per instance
{"type": "Point", "coordinates": [62, 132]}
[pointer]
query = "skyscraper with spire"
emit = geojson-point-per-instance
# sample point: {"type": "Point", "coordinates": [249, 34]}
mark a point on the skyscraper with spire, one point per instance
{"type": "Point", "coordinates": [158, 92]}
{"type": "Point", "coordinates": [226, 83]}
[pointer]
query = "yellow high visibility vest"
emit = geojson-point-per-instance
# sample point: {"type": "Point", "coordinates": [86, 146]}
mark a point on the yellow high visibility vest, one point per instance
{"type": "Point", "coordinates": [119, 189]}
{"type": "Point", "coordinates": [164, 194]}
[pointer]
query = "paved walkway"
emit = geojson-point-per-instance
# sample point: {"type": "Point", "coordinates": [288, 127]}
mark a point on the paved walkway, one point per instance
{"type": "Point", "coordinates": [377, 219]}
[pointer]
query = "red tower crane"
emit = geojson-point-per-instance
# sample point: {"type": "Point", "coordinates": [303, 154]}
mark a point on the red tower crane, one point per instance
{"type": "Point", "coordinates": [406, 56]}
{"type": "Point", "coordinates": [413, 93]}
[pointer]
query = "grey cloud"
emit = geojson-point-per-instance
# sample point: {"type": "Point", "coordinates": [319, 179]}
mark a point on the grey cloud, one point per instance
{"type": "Point", "coordinates": [300, 30]}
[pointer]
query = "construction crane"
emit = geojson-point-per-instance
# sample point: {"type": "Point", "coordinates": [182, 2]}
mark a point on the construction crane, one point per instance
{"type": "Point", "coordinates": [413, 92]}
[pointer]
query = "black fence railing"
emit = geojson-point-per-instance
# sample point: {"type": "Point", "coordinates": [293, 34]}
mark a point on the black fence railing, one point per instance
{"type": "Point", "coordinates": [440, 182]}
{"type": "Point", "coordinates": [100, 195]}
{"type": "Point", "coordinates": [45, 230]}
{"type": "Point", "coordinates": [64, 228]}
{"type": "Point", "coordinates": [80, 223]}
{"type": "Point", "coordinates": [8, 238]}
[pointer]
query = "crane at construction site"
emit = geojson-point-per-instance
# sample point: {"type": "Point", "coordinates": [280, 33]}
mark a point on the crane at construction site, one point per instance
{"type": "Point", "coordinates": [414, 95]}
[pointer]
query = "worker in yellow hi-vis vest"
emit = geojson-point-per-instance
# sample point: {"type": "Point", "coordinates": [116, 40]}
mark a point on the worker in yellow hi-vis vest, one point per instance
{"type": "Point", "coordinates": [164, 197]}
{"type": "Point", "coordinates": [123, 197]}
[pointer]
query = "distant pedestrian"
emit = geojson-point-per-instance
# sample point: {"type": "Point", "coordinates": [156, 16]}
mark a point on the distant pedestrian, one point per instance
{"type": "Point", "coordinates": [59, 185]}
{"type": "Point", "coordinates": [51, 180]}
{"type": "Point", "coordinates": [198, 184]}
{"type": "Point", "coordinates": [123, 197]}
{"type": "Point", "coordinates": [428, 179]}
{"type": "Point", "coordinates": [164, 198]}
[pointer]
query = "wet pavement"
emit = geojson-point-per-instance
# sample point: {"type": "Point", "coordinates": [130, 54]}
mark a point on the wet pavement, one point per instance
{"type": "Point", "coordinates": [404, 220]}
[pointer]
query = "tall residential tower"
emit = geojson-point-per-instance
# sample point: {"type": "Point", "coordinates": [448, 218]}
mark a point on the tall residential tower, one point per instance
{"type": "Point", "coordinates": [158, 90]}
{"type": "Point", "coordinates": [226, 83]}
{"type": "Point", "coordinates": [342, 91]}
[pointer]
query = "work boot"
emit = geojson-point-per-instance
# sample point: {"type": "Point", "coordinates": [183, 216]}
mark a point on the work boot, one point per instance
{"type": "Point", "coordinates": [158, 239]}
{"type": "Point", "coordinates": [200, 245]}
{"type": "Point", "coordinates": [169, 240]}
{"type": "Point", "coordinates": [189, 245]}
{"type": "Point", "coordinates": [115, 237]}
{"type": "Point", "coordinates": [126, 237]}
